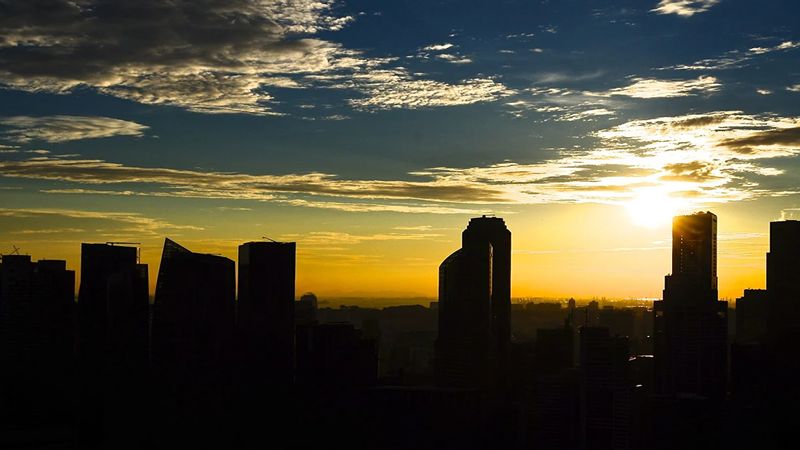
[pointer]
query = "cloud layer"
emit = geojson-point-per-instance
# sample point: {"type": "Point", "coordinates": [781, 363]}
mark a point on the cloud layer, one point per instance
{"type": "Point", "coordinates": [703, 158]}
{"type": "Point", "coordinates": [25, 129]}
{"type": "Point", "coordinates": [212, 56]}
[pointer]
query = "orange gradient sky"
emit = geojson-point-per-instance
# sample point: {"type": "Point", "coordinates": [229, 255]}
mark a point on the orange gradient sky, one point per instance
{"type": "Point", "coordinates": [370, 132]}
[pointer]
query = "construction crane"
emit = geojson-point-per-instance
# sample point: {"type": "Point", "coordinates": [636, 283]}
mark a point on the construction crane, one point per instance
{"type": "Point", "coordinates": [13, 252]}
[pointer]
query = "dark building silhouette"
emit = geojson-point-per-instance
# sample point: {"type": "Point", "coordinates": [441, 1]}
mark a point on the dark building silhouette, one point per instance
{"type": "Point", "coordinates": [492, 230]}
{"type": "Point", "coordinates": [605, 411]}
{"type": "Point", "coordinates": [191, 351]}
{"type": "Point", "coordinates": [306, 309]}
{"type": "Point", "coordinates": [690, 342]}
{"type": "Point", "coordinates": [266, 308]}
{"type": "Point", "coordinates": [113, 345]}
{"type": "Point", "coordinates": [552, 392]}
{"type": "Point", "coordinates": [751, 316]}
{"type": "Point", "coordinates": [473, 345]}
{"type": "Point", "coordinates": [37, 301]}
{"type": "Point", "coordinates": [783, 267]}
{"type": "Point", "coordinates": [105, 269]}
{"type": "Point", "coordinates": [336, 363]}
{"type": "Point", "coordinates": [465, 344]}
{"type": "Point", "coordinates": [337, 356]}
{"type": "Point", "coordinates": [413, 417]}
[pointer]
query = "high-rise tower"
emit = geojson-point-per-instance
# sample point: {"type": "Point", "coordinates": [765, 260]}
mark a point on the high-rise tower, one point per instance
{"type": "Point", "coordinates": [465, 345]}
{"type": "Point", "coordinates": [783, 288]}
{"type": "Point", "coordinates": [474, 308]}
{"type": "Point", "coordinates": [492, 230]}
{"type": "Point", "coordinates": [690, 341]}
{"type": "Point", "coordinates": [266, 307]}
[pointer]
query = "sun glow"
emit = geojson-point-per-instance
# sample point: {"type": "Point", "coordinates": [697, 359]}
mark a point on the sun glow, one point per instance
{"type": "Point", "coordinates": [654, 207]}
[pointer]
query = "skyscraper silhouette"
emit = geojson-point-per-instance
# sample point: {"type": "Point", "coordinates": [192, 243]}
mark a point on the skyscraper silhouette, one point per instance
{"type": "Point", "coordinates": [493, 230]}
{"type": "Point", "coordinates": [783, 288]}
{"type": "Point", "coordinates": [605, 399]}
{"type": "Point", "coordinates": [37, 301]}
{"type": "Point", "coordinates": [266, 308]}
{"type": "Point", "coordinates": [194, 309]}
{"type": "Point", "coordinates": [112, 343]}
{"type": "Point", "coordinates": [192, 332]}
{"type": "Point", "coordinates": [465, 347]}
{"type": "Point", "coordinates": [690, 342]}
{"type": "Point", "coordinates": [103, 267]}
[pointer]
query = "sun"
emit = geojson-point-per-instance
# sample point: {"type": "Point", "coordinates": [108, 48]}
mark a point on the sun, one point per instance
{"type": "Point", "coordinates": [652, 208]}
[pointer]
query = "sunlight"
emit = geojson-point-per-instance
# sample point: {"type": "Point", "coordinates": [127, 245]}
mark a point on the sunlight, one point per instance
{"type": "Point", "coordinates": [652, 208]}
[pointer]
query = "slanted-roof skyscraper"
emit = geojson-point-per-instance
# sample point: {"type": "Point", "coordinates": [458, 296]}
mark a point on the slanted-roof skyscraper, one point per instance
{"type": "Point", "coordinates": [690, 341]}
{"type": "Point", "coordinates": [194, 309]}
{"type": "Point", "coordinates": [192, 332]}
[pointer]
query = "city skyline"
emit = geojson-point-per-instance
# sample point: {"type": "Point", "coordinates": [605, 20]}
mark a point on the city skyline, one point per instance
{"type": "Point", "coordinates": [368, 132]}
{"type": "Point", "coordinates": [201, 367]}
{"type": "Point", "coordinates": [153, 270]}
{"type": "Point", "coordinates": [480, 229]}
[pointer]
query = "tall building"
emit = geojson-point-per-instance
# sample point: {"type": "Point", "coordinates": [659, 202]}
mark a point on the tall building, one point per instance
{"type": "Point", "coordinates": [690, 335]}
{"type": "Point", "coordinates": [266, 308]}
{"type": "Point", "coordinates": [751, 316]}
{"type": "Point", "coordinates": [605, 393]}
{"type": "Point", "coordinates": [194, 309]}
{"type": "Point", "coordinates": [465, 347]}
{"type": "Point", "coordinates": [104, 270]}
{"type": "Point", "coordinates": [37, 301]}
{"type": "Point", "coordinates": [193, 325]}
{"type": "Point", "coordinates": [492, 230]}
{"type": "Point", "coordinates": [783, 288]}
{"type": "Point", "coordinates": [113, 342]}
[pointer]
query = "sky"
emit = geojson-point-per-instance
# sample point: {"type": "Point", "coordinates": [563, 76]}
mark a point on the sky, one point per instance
{"type": "Point", "coordinates": [370, 132]}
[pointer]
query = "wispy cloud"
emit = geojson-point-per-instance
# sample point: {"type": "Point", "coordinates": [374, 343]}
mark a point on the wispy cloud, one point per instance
{"type": "Point", "coordinates": [389, 89]}
{"type": "Point", "coordinates": [734, 59]}
{"type": "Point", "coordinates": [658, 88]}
{"type": "Point", "coordinates": [133, 222]}
{"type": "Point", "coordinates": [685, 8]}
{"type": "Point", "coordinates": [327, 238]}
{"type": "Point", "coordinates": [454, 59]}
{"type": "Point", "coordinates": [50, 231]}
{"type": "Point", "coordinates": [66, 128]}
{"type": "Point", "coordinates": [563, 104]}
{"type": "Point", "coordinates": [437, 47]}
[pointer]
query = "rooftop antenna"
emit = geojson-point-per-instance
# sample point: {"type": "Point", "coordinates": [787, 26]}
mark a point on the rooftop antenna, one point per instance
{"type": "Point", "coordinates": [269, 239]}
{"type": "Point", "coordinates": [16, 250]}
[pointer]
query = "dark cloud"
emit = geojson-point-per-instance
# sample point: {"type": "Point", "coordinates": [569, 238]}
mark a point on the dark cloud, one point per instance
{"type": "Point", "coordinates": [785, 137]}
{"type": "Point", "coordinates": [699, 121]}
{"type": "Point", "coordinates": [694, 171]}
{"type": "Point", "coordinates": [210, 56]}
{"type": "Point", "coordinates": [161, 51]}
{"type": "Point", "coordinates": [189, 183]}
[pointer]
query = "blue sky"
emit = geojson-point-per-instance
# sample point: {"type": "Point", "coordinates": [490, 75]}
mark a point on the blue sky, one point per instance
{"type": "Point", "coordinates": [336, 112]}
